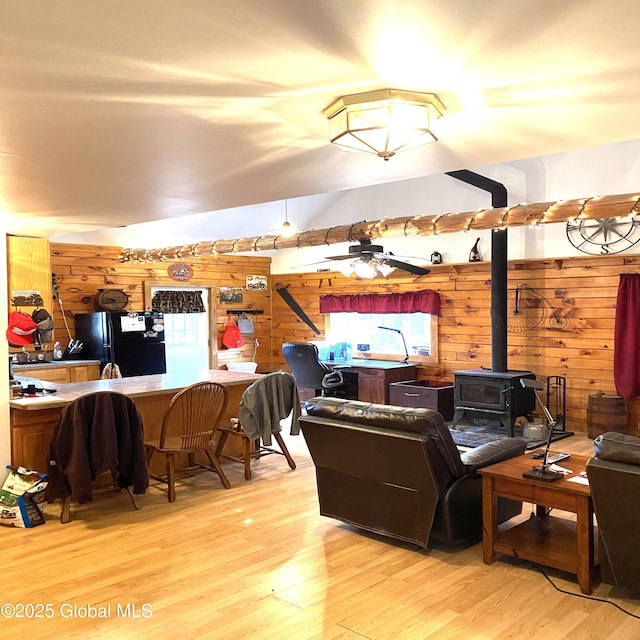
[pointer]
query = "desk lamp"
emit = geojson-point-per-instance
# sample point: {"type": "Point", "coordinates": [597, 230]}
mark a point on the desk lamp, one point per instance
{"type": "Point", "coordinates": [541, 473]}
{"type": "Point", "coordinates": [405, 360]}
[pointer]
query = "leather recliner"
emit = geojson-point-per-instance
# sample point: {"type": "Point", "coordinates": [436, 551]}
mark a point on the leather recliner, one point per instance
{"type": "Point", "coordinates": [397, 472]}
{"type": "Point", "coordinates": [614, 479]}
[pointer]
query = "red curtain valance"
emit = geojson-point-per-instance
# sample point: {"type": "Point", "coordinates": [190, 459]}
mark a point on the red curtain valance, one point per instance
{"type": "Point", "coordinates": [425, 301]}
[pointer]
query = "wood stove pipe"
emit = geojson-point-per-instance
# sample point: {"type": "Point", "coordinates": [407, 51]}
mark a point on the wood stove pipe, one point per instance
{"type": "Point", "coordinates": [498, 267]}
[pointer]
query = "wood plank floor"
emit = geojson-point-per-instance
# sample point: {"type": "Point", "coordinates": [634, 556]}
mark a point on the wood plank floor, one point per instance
{"type": "Point", "coordinates": [257, 561]}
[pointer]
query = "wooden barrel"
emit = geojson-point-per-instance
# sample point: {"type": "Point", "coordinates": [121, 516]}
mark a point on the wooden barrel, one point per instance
{"type": "Point", "coordinates": [606, 413]}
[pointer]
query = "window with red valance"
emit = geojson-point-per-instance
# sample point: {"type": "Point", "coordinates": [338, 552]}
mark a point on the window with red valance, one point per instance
{"type": "Point", "coordinates": [424, 301]}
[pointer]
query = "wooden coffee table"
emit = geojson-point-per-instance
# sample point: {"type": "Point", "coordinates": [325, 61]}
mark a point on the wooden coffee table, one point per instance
{"type": "Point", "coordinates": [562, 543]}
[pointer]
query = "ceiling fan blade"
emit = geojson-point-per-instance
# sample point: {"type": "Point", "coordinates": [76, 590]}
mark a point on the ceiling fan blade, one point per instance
{"type": "Point", "coordinates": [322, 263]}
{"type": "Point", "coordinates": [405, 266]}
{"type": "Point", "coordinates": [351, 256]}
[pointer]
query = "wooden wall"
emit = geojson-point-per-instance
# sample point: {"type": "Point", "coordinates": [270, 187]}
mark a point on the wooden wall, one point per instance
{"type": "Point", "coordinates": [80, 270]}
{"type": "Point", "coordinates": [574, 339]}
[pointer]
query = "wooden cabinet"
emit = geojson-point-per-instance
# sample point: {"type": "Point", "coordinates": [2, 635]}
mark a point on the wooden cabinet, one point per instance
{"type": "Point", "coordinates": [62, 373]}
{"type": "Point", "coordinates": [371, 386]}
{"type": "Point", "coordinates": [374, 378]}
{"type": "Point", "coordinates": [54, 374]}
{"type": "Point", "coordinates": [28, 272]}
{"type": "Point", "coordinates": [84, 372]}
{"type": "Point", "coordinates": [423, 393]}
{"type": "Point", "coordinates": [31, 432]}
{"type": "Point", "coordinates": [29, 267]}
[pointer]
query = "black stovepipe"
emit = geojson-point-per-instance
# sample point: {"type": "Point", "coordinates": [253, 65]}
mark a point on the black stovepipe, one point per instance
{"type": "Point", "coordinates": [498, 267]}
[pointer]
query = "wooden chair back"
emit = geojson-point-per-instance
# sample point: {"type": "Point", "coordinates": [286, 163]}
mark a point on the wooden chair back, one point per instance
{"type": "Point", "coordinates": [192, 417]}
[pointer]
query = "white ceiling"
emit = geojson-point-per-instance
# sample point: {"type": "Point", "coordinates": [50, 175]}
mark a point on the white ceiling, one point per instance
{"type": "Point", "coordinates": [118, 112]}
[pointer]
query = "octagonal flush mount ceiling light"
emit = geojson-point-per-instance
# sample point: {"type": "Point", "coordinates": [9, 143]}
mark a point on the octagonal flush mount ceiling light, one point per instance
{"type": "Point", "coordinates": [384, 121]}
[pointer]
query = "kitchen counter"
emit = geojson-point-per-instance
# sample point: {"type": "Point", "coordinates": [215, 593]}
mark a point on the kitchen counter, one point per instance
{"type": "Point", "coordinates": [32, 367]}
{"type": "Point", "coordinates": [59, 371]}
{"type": "Point", "coordinates": [135, 387]}
{"type": "Point", "coordinates": [33, 419]}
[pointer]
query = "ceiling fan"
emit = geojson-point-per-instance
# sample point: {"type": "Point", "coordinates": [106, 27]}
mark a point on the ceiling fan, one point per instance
{"type": "Point", "coordinates": [367, 260]}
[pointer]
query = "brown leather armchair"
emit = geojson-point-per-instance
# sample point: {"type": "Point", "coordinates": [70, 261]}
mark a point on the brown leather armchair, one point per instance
{"type": "Point", "coordinates": [396, 471]}
{"type": "Point", "coordinates": [614, 478]}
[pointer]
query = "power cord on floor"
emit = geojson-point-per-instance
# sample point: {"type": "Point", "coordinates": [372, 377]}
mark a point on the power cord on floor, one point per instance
{"type": "Point", "coordinates": [580, 595]}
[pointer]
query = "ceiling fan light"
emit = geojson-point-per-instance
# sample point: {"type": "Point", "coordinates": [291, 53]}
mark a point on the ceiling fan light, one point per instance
{"type": "Point", "coordinates": [365, 269]}
{"type": "Point", "coordinates": [345, 268]}
{"type": "Point", "coordinates": [385, 269]}
{"type": "Point", "coordinates": [383, 122]}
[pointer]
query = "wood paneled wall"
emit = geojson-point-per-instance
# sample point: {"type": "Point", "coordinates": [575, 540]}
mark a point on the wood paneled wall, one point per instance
{"type": "Point", "coordinates": [80, 270]}
{"type": "Point", "coordinates": [574, 339]}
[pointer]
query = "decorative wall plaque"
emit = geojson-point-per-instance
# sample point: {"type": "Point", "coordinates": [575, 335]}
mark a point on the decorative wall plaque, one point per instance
{"type": "Point", "coordinates": [604, 236]}
{"type": "Point", "coordinates": [256, 283]}
{"type": "Point", "coordinates": [180, 271]}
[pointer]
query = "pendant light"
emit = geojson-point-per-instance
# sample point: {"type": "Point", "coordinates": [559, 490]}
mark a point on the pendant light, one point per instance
{"type": "Point", "coordinates": [287, 230]}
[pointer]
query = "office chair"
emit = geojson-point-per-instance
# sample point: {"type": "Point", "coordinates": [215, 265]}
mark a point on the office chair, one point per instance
{"type": "Point", "coordinates": [304, 361]}
{"type": "Point", "coordinates": [263, 406]}
{"type": "Point", "coordinates": [96, 433]}
{"type": "Point", "coordinates": [189, 427]}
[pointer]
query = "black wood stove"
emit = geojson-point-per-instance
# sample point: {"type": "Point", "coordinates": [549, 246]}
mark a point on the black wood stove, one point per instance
{"type": "Point", "coordinates": [492, 398]}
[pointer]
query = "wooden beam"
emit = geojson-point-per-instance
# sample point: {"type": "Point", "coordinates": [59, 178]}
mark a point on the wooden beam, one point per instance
{"type": "Point", "coordinates": [424, 225]}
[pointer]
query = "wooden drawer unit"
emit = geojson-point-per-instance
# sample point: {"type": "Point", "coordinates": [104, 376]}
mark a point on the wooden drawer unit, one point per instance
{"type": "Point", "coordinates": [374, 381]}
{"type": "Point", "coordinates": [423, 393]}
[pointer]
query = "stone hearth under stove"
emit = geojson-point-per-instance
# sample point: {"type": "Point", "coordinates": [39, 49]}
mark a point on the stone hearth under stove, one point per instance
{"type": "Point", "coordinates": [491, 398]}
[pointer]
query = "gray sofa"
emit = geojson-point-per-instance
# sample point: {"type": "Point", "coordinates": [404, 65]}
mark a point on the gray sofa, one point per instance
{"type": "Point", "coordinates": [397, 472]}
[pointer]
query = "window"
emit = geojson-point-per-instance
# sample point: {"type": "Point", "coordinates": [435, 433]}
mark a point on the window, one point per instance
{"type": "Point", "coordinates": [356, 320]}
{"type": "Point", "coordinates": [362, 333]}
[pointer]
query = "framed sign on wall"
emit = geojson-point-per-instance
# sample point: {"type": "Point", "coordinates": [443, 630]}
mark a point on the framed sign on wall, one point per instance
{"type": "Point", "coordinates": [256, 283]}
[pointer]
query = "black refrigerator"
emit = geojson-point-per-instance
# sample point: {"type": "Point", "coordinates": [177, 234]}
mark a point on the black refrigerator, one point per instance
{"type": "Point", "coordinates": [132, 340]}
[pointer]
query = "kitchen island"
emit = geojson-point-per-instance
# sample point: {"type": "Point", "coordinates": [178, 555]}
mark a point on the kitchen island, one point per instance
{"type": "Point", "coordinates": [33, 419]}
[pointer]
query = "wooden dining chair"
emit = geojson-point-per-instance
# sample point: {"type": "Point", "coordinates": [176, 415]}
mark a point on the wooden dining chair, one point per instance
{"type": "Point", "coordinates": [189, 428]}
{"type": "Point", "coordinates": [263, 406]}
{"type": "Point", "coordinates": [97, 433]}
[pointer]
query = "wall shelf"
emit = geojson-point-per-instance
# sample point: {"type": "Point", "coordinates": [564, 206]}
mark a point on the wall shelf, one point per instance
{"type": "Point", "coordinates": [249, 312]}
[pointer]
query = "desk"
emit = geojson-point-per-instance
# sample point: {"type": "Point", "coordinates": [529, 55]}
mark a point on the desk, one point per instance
{"type": "Point", "coordinates": [374, 376]}
{"type": "Point", "coordinates": [33, 419]}
{"type": "Point", "coordinates": [556, 542]}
